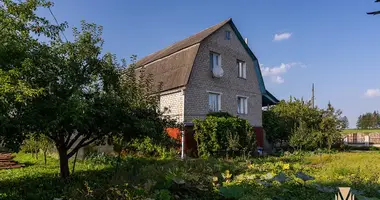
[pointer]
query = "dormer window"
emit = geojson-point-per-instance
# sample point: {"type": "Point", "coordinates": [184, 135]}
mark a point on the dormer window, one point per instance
{"type": "Point", "coordinates": [228, 35]}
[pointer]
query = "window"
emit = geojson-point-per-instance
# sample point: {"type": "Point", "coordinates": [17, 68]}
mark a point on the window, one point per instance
{"type": "Point", "coordinates": [228, 35]}
{"type": "Point", "coordinates": [242, 69]}
{"type": "Point", "coordinates": [215, 60]}
{"type": "Point", "coordinates": [214, 102]}
{"type": "Point", "coordinates": [242, 105]}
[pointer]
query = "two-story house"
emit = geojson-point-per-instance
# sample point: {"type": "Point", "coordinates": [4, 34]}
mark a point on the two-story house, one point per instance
{"type": "Point", "coordinates": [213, 70]}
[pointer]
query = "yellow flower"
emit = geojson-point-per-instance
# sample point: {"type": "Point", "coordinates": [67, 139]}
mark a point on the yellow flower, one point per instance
{"type": "Point", "coordinates": [251, 166]}
{"type": "Point", "coordinates": [286, 166]}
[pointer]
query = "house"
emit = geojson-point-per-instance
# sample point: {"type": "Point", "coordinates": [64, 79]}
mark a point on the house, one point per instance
{"type": "Point", "coordinates": [213, 70]}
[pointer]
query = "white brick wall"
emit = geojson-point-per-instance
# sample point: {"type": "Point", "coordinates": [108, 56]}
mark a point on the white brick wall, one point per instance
{"type": "Point", "coordinates": [172, 102]}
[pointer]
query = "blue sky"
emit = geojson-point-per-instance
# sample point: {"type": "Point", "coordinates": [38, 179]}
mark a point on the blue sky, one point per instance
{"type": "Point", "coordinates": [333, 44]}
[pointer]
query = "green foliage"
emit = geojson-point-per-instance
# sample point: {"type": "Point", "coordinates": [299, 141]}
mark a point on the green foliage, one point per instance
{"type": "Point", "coordinates": [369, 121]}
{"type": "Point", "coordinates": [216, 136]}
{"type": "Point", "coordinates": [303, 126]}
{"type": "Point", "coordinates": [20, 52]}
{"type": "Point", "coordinates": [219, 114]}
{"type": "Point", "coordinates": [143, 178]}
{"type": "Point", "coordinates": [280, 120]}
{"type": "Point", "coordinates": [345, 123]}
{"type": "Point", "coordinates": [69, 91]}
{"type": "Point", "coordinates": [148, 147]}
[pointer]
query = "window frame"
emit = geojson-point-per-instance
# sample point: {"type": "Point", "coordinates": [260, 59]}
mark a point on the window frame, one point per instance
{"type": "Point", "coordinates": [242, 101]}
{"type": "Point", "coordinates": [219, 100]}
{"type": "Point", "coordinates": [219, 60]}
{"type": "Point", "coordinates": [242, 69]}
{"type": "Point", "coordinates": [227, 35]}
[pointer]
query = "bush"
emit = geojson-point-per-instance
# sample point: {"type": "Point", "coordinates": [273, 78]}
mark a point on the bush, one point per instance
{"type": "Point", "coordinates": [216, 135]}
{"type": "Point", "coordinates": [148, 147]}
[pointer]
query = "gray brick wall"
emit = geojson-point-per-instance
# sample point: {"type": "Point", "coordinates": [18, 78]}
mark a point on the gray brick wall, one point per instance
{"type": "Point", "coordinates": [172, 102]}
{"type": "Point", "coordinates": [201, 80]}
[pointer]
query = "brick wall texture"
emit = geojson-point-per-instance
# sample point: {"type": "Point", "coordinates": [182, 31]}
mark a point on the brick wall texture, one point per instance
{"type": "Point", "coordinates": [201, 80]}
{"type": "Point", "coordinates": [172, 104]}
{"type": "Point", "coordinates": [193, 101]}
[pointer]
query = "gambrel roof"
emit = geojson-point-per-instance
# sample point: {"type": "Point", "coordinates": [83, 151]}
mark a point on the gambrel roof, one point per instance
{"type": "Point", "coordinates": [174, 71]}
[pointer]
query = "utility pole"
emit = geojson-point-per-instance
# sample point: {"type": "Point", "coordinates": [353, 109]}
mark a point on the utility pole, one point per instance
{"type": "Point", "coordinates": [312, 95]}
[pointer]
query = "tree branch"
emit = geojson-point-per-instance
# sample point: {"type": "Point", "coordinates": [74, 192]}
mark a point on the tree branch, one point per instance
{"type": "Point", "coordinates": [68, 138]}
{"type": "Point", "coordinates": [81, 144]}
{"type": "Point", "coordinates": [373, 13]}
{"type": "Point", "coordinates": [71, 143]}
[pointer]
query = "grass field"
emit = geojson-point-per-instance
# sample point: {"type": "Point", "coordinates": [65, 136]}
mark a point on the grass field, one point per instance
{"type": "Point", "coordinates": [144, 178]}
{"type": "Point", "coordinates": [348, 131]}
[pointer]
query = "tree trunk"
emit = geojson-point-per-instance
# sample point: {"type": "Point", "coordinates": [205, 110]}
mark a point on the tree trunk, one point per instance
{"type": "Point", "coordinates": [63, 162]}
{"type": "Point", "coordinates": [45, 157]}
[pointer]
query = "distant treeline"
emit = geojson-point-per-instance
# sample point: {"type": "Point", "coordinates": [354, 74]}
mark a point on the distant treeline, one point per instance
{"type": "Point", "coordinates": [369, 121]}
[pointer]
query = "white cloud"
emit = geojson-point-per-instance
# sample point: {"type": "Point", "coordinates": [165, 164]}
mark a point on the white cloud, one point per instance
{"type": "Point", "coordinates": [275, 72]}
{"type": "Point", "coordinates": [372, 93]}
{"type": "Point", "coordinates": [278, 79]}
{"type": "Point", "coordinates": [282, 36]}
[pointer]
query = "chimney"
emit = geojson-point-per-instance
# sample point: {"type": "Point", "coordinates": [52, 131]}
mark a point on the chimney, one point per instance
{"type": "Point", "coordinates": [246, 40]}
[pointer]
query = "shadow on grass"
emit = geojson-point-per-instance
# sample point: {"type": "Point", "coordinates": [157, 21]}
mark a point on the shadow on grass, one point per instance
{"type": "Point", "coordinates": [133, 177]}
{"type": "Point", "coordinates": [153, 178]}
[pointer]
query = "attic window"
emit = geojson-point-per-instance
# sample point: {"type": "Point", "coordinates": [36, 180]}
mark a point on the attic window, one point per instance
{"type": "Point", "coordinates": [228, 35]}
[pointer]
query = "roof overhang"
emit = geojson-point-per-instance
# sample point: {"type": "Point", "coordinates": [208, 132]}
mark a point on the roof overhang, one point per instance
{"type": "Point", "coordinates": [268, 99]}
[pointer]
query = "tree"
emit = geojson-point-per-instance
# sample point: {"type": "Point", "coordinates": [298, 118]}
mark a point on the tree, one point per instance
{"type": "Point", "coordinates": [345, 123]}
{"type": "Point", "coordinates": [19, 51]}
{"type": "Point", "coordinates": [375, 12]}
{"type": "Point", "coordinates": [280, 121]}
{"type": "Point", "coordinates": [331, 125]}
{"type": "Point", "coordinates": [69, 91]}
{"type": "Point", "coordinates": [368, 121]}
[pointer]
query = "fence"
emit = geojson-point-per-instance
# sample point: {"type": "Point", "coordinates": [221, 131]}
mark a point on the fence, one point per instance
{"type": "Point", "coordinates": [362, 139]}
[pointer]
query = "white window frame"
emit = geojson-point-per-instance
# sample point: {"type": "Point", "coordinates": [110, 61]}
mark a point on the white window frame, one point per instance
{"type": "Point", "coordinates": [242, 104]}
{"type": "Point", "coordinates": [215, 59]}
{"type": "Point", "coordinates": [219, 99]}
{"type": "Point", "coordinates": [242, 69]}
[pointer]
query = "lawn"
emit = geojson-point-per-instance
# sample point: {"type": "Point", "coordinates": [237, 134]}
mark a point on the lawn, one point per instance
{"type": "Point", "coordinates": [143, 178]}
{"type": "Point", "coordinates": [348, 131]}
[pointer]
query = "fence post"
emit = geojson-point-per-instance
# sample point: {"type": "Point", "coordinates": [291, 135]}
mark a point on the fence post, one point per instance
{"type": "Point", "coordinates": [366, 140]}
{"type": "Point", "coordinates": [183, 144]}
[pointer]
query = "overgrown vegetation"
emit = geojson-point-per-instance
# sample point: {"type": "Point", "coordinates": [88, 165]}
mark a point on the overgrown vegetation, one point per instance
{"type": "Point", "coordinates": [297, 123]}
{"type": "Point", "coordinates": [284, 177]}
{"type": "Point", "coordinates": [224, 135]}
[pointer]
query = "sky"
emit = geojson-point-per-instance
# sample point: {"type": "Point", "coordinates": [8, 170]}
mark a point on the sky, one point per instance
{"type": "Point", "coordinates": [332, 44]}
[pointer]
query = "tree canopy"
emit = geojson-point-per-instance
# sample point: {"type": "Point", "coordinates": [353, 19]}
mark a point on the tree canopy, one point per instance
{"type": "Point", "coordinates": [72, 92]}
{"type": "Point", "coordinates": [296, 121]}
{"type": "Point", "coordinates": [369, 120]}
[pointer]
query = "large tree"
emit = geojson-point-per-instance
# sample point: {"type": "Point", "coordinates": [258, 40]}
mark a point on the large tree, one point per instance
{"type": "Point", "coordinates": [20, 49]}
{"type": "Point", "coordinates": [80, 94]}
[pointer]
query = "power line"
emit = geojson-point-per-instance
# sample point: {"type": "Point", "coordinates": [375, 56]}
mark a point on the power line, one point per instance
{"type": "Point", "coordinates": [56, 21]}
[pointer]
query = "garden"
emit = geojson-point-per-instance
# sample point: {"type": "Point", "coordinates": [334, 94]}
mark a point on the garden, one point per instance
{"type": "Point", "coordinates": [58, 97]}
{"type": "Point", "coordinates": [291, 176]}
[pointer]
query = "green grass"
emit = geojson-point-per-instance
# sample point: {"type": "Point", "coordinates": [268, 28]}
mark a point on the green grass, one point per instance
{"type": "Point", "coordinates": [348, 131]}
{"type": "Point", "coordinates": [142, 178]}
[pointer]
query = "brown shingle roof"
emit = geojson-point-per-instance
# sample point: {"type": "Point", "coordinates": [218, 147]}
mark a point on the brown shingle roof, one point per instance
{"type": "Point", "coordinates": [194, 39]}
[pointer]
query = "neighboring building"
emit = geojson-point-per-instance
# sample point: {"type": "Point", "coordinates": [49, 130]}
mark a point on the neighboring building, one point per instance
{"type": "Point", "coordinates": [213, 70]}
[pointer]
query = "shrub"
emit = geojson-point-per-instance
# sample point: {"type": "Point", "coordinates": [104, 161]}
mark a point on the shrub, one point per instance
{"type": "Point", "coordinates": [215, 135]}
{"type": "Point", "coordinates": [149, 147]}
